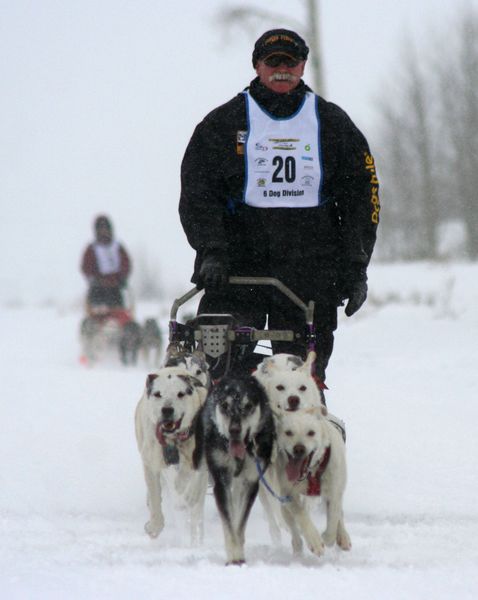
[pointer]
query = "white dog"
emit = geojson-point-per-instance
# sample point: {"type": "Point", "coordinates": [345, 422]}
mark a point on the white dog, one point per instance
{"type": "Point", "coordinates": [310, 461]}
{"type": "Point", "coordinates": [278, 362]}
{"type": "Point", "coordinates": [290, 385]}
{"type": "Point", "coordinates": [165, 422]}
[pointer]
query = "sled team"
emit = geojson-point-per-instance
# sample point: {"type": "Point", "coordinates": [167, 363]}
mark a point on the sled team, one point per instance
{"type": "Point", "coordinates": [268, 433]}
{"type": "Point", "coordinates": [275, 183]}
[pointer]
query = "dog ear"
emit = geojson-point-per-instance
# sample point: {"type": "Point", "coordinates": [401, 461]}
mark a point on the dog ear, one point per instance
{"type": "Point", "coordinates": [190, 380]}
{"type": "Point", "coordinates": [149, 382]}
{"type": "Point", "coordinates": [307, 367]}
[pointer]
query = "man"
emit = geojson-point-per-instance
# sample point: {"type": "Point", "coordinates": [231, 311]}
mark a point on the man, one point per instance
{"type": "Point", "coordinates": [279, 182]}
{"type": "Point", "coordinates": [106, 265]}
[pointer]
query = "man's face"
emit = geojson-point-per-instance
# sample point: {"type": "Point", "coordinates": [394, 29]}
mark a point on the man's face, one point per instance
{"type": "Point", "coordinates": [103, 234]}
{"type": "Point", "coordinates": [280, 73]}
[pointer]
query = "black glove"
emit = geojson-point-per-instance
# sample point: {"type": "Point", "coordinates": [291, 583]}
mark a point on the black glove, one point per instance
{"type": "Point", "coordinates": [213, 274]}
{"type": "Point", "coordinates": [354, 287]}
{"type": "Point", "coordinates": [357, 297]}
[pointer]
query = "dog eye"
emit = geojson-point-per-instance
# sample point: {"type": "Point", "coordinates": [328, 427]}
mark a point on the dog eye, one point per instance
{"type": "Point", "coordinates": [198, 372]}
{"type": "Point", "coordinates": [157, 394]}
{"type": "Point", "coordinates": [247, 407]}
{"type": "Point", "coordinates": [181, 394]}
{"type": "Point", "coordinates": [288, 433]}
{"type": "Point", "coordinates": [311, 433]}
{"type": "Point", "coordinates": [302, 388]}
{"type": "Point", "coordinates": [280, 387]}
{"type": "Point", "coordinates": [224, 406]}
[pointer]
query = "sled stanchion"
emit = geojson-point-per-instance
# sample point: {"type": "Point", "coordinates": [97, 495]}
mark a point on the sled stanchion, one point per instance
{"type": "Point", "coordinates": [180, 301]}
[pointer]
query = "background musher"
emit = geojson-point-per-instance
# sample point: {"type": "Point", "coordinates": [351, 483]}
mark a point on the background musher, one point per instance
{"type": "Point", "coordinates": [106, 266]}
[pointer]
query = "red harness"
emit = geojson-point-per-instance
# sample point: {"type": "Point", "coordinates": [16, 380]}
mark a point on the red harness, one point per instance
{"type": "Point", "coordinates": [320, 384]}
{"type": "Point", "coordinates": [314, 479]}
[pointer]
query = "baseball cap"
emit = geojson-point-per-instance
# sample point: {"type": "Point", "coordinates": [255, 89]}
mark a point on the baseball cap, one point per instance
{"type": "Point", "coordinates": [279, 41]}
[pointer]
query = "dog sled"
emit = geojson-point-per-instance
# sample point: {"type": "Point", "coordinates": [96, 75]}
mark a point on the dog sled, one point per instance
{"type": "Point", "coordinates": [106, 329]}
{"type": "Point", "coordinates": [227, 343]}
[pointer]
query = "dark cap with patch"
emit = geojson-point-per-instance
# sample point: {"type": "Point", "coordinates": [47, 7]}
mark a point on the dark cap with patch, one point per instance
{"type": "Point", "coordinates": [279, 41]}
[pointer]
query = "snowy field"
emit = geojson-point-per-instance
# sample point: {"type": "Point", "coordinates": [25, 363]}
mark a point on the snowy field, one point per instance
{"type": "Point", "coordinates": [404, 378]}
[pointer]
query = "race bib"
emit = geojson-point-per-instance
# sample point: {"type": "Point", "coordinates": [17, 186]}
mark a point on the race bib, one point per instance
{"type": "Point", "coordinates": [283, 157]}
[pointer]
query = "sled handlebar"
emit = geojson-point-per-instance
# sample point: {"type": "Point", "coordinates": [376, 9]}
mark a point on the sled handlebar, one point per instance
{"type": "Point", "coordinates": [307, 309]}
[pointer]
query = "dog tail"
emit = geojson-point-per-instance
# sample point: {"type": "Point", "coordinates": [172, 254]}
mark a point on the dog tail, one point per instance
{"type": "Point", "coordinates": [198, 452]}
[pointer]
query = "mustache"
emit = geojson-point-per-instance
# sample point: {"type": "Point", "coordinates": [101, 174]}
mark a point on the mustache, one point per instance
{"type": "Point", "coordinates": [283, 77]}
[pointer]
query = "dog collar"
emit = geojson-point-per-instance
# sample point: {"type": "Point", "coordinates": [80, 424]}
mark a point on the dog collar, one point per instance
{"type": "Point", "coordinates": [166, 439]}
{"type": "Point", "coordinates": [314, 479]}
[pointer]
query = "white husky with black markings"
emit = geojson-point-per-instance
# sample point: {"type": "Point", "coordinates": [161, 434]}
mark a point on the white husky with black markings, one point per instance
{"type": "Point", "coordinates": [165, 420]}
{"type": "Point", "coordinates": [194, 362]}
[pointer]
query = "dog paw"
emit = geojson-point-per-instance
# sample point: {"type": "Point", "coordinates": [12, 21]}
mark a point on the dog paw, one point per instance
{"type": "Point", "coordinates": [237, 562]}
{"type": "Point", "coordinates": [343, 540]}
{"type": "Point", "coordinates": [316, 545]}
{"type": "Point", "coordinates": [154, 528]}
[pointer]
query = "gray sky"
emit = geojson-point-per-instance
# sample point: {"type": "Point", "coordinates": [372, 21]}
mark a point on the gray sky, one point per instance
{"type": "Point", "coordinates": [100, 97]}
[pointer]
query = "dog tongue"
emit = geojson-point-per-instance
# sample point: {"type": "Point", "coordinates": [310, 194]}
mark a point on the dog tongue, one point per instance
{"type": "Point", "coordinates": [237, 449]}
{"type": "Point", "coordinates": [294, 469]}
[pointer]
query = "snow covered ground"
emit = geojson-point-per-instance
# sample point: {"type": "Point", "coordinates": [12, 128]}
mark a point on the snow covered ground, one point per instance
{"type": "Point", "coordinates": [404, 378]}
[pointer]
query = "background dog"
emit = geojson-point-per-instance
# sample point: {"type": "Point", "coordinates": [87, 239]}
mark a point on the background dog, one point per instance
{"type": "Point", "coordinates": [130, 342]}
{"type": "Point", "coordinates": [310, 461]}
{"type": "Point", "coordinates": [151, 342]}
{"type": "Point", "coordinates": [236, 430]}
{"type": "Point", "coordinates": [165, 420]}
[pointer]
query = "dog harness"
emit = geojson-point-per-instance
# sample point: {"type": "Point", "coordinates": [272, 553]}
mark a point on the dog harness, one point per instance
{"type": "Point", "coordinates": [169, 441]}
{"type": "Point", "coordinates": [314, 479]}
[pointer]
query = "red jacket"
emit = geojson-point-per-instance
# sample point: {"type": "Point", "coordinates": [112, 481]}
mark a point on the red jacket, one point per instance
{"type": "Point", "coordinates": [91, 270]}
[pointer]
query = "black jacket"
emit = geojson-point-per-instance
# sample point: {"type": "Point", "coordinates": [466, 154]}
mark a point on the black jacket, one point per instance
{"type": "Point", "coordinates": [278, 242]}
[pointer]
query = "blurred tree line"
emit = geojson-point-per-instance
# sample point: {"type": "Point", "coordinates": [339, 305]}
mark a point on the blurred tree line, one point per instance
{"type": "Point", "coordinates": [427, 149]}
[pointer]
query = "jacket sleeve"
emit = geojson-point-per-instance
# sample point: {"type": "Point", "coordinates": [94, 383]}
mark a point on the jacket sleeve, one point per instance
{"type": "Point", "coordinates": [88, 263]}
{"type": "Point", "coordinates": [203, 201]}
{"type": "Point", "coordinates": [125, 265]}
{"type": "Point", "coordinates": [357, 195]}
{"type": "Point", "coordinates": [361, 205]}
